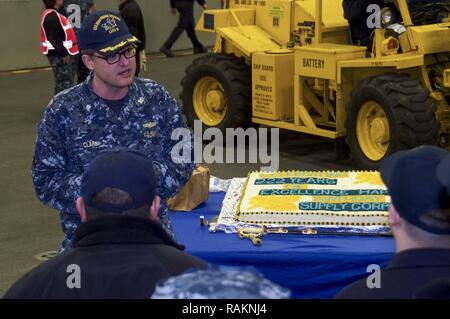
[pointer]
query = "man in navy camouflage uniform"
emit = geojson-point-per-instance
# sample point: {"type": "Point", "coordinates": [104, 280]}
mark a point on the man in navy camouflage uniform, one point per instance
{"type": "Point", "coordinates": [111, 108]}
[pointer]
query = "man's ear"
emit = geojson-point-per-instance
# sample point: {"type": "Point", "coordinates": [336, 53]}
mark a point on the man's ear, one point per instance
{"type": "Point", "coordinates": [154, 209]}
{"type": "Point", "coordinates": [81, 208]}
{"type": "Point", "coordinates": [87, 60]}
{"type": "Point", "coordinates": [394, 217]}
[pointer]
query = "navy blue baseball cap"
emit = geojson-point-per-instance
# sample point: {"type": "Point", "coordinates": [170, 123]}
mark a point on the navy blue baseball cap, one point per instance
{"type": "Point", "coordinates": [413, 184]}
{"type": "Point", "coordinates": [443, 172]}
{"type": "Point", "coordinates": [105, 32]}
{"type": "Point", "coordinates": [124, 169]}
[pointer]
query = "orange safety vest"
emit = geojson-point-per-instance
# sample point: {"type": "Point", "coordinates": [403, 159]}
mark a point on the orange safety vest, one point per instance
{"type": "Point", "coordinates": [70, 42]}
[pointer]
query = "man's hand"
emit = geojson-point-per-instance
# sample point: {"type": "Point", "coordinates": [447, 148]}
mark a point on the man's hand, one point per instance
{"type": "Point", "coordinates": [143, 60]}
{"type": "Point", "coordinates": [174, 11]}
{"type": "Point", "coordinates": [205, 6]}
{"type": "Point", "coordinates": [66, 59]}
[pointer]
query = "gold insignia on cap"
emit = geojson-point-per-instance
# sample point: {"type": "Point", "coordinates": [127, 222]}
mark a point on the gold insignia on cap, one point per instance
{"type": "Point", "coordinates": [109, 25]}
{"type": "Point", "coordinates": [119, 45]}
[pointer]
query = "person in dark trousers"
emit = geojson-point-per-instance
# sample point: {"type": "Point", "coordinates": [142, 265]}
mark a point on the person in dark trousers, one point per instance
{"type": "Point", "coordinates": [59, 44]}
{"type": "Point", "coordinates": [186, 22]}
{"type": "Point", "coordinates": [120, 250]}
{"type": "Point", "coordinates": [361, 16]}
{"type": "Point", "coordinates": [418, 182]}
{"type": "Point", "coordinates": [132, 14]}
{"type": "Point", "coordinates": [76, 11]}
{"type": "Point", "coordinates": [355, 11]}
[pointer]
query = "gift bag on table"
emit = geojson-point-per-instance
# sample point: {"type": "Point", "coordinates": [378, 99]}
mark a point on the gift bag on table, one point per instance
{"type": "Point", "coordinates": [193, 193]}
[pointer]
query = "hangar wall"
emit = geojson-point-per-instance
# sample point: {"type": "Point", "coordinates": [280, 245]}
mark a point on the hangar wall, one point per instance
{"type": "Point", "coordinates": [19, 29]}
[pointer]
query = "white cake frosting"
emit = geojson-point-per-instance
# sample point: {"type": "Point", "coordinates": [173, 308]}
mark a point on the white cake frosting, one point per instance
{"type": "Point", "coordinates": [302, 198]}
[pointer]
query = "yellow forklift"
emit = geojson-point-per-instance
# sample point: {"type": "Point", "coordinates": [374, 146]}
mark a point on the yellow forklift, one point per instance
{"type": "Point", "coordinates": [292, 65]}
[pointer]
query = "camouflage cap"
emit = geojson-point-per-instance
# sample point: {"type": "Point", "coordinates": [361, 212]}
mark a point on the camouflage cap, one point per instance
{"type": "Point", "coordinates": [220, 282]}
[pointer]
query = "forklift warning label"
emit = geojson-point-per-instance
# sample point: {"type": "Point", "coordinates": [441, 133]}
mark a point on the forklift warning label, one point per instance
{"type": "Point", "coordinates": [276, 11]}
{"type": "Point", "coordinates": [262, 89]}
{"type": "Point", "coordinates": [313, 63]}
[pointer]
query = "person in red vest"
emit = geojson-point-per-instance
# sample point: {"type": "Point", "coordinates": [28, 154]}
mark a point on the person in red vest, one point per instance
{"type": "Point", "coordinates": [59, 44]}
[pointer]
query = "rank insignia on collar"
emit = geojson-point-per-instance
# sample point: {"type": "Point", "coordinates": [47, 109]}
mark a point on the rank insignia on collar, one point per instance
{"type": "Point", "coordinates": [149, 125]}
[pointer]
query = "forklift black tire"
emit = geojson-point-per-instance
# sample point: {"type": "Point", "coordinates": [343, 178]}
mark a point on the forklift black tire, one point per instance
{"type": "Point", "coordinates": [216, 90]}
{"type": "Point", "coordinates": [389, 113]}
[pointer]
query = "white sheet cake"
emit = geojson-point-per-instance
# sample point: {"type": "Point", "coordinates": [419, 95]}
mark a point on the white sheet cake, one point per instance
{"type": "Point", "coordinates": [314, 199]}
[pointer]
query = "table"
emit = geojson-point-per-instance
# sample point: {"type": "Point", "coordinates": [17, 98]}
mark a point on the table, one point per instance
{"type": "Point", "coordinates": [312, 266]}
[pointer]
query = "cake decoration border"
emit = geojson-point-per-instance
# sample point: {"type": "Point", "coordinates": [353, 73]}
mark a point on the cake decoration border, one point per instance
{"type": "Point", "coordinates": [378, 229]}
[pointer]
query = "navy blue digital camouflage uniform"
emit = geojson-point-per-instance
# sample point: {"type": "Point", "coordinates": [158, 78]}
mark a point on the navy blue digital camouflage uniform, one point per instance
{"type": "Point", "coordinates": [220, 282]}
{"type": "Point", "coordinates": [77, 124]}
{"type": "Point", "coordinates": [63, 73]}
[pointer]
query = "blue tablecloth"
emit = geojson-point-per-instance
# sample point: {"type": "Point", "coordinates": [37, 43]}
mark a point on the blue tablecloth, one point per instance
{"type": "Point", "coordinates": [311, 266]}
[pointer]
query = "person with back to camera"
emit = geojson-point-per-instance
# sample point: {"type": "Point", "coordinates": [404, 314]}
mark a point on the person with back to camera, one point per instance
{"type": "Point", "coordinates": [120, 249]}
{"type": "Point", "coordinates": [418, 182]}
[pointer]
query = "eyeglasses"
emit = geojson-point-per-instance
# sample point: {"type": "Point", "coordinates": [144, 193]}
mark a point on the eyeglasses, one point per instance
{"type": "Point", "coordinates": [114, 58]}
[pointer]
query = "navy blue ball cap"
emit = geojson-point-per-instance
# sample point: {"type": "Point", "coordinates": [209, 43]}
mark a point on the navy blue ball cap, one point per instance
{"type": "Point", "coordinates": [105, 32]}
{"type": "Point", "coordinates": [413, 184]}
{"type": "Point", "coordinates": [443, 172]}
{"type": "Point", "coordinates": [120, 168]}
{"type": "Point", "coordinates": [435, 289]}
